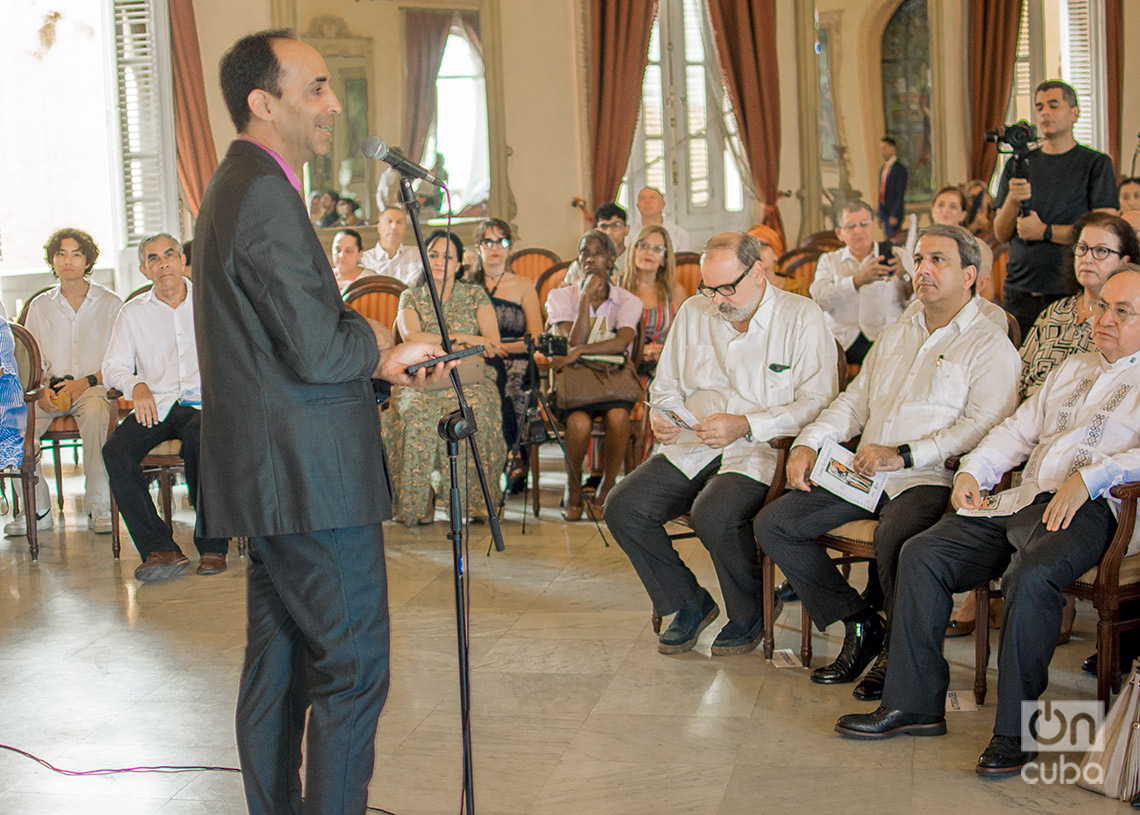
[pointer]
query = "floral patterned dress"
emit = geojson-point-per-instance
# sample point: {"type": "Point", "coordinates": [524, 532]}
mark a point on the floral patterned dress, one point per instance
{"type": "Point", "coordinates": [417, 456]}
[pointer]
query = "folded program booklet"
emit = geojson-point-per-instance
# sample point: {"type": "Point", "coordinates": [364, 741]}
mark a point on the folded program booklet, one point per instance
{"type": "Point", "coordinates": [834, 472]}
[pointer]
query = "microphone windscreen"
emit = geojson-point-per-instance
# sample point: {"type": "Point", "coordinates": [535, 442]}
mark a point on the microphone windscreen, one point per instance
{"type": "Point", "coordinates": [374, 147]}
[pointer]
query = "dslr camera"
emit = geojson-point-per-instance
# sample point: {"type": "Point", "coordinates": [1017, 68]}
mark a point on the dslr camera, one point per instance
{"type": "Point", "coordinates": [552, 345]}
{"type": "Point", "coordinates": [1018, 138]}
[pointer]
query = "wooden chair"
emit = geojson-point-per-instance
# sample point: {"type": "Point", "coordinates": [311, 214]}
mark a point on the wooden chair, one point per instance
{"type": "Point", "coordinates": [531, 263]}
{"type": "Point", "coordinates": [997, 272]}
{"type": "Point", "coordinates": [164, 462]}
{"type": "Point", "coordinates": [550, 279]}
{"type": "Point", "coordinates": [31, 370]}
{"type": "Point", "coordinates": [689, 271]}
{"type": "Point", "coordinates": [377, 297]}
{"type": "Point", "coordinates": [1114, 580]}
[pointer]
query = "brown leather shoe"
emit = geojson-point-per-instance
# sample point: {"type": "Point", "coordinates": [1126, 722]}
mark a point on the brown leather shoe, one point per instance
{"type": "Point", "coordinates": [212, 563]}
{"type": "Point", "coordinates": [161, 565]}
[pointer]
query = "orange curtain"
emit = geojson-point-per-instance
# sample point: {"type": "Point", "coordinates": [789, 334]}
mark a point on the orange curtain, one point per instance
{"type": "Point", "coordinates": [993, 49]}
{"type": "Point", "coordinates": [745, 36]}
{"type": "Point", "coordinates": [425, 36]}
{"type": "Point", "coordinates": [195, 142]}
{"type": "Point", "coordinates": [619, 52]}
{"type": "Point", "coordinates": [1114, 57]}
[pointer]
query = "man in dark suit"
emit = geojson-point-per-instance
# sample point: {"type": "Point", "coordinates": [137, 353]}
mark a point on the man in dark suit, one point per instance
{"type": "Point", "coordinates": [892, 187]}
{"type": "Point", "coordinates": [291, 455]}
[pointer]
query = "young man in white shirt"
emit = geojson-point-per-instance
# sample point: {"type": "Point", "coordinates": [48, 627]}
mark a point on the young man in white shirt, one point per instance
{"type": "Point", "coordinates": [72, 325]}
{"type": "Point", "coordinates": [389, 256]}
{"type": "Point", "coordinates": [930, 388]}
{"type": "Point", "coordinates": [1080, 437]}
{"type": "Point", "coordinates": [750, 362]}
{"type": "Point", "coordinates": [859, 293]}
{"type": "Point", "coordinates": [153, 359]}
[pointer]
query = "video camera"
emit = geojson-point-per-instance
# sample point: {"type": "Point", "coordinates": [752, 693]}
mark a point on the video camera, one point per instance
{"type": "Point", "coordinates": [1019, 138]}
{"type": "Point", "coordinates": [552, 345]}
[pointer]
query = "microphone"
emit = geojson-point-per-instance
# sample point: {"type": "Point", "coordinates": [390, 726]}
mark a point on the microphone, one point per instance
{"type": "Point", "coordinates": [375, 148]}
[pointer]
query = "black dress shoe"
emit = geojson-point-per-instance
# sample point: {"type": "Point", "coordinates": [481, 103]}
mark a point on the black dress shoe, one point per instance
{"type": "Point", "coordinates": [785, 593]}
{"type": "Point", "coordinates": [1136, 801]}
{"type": "Point", "coordinates": [1003, 757]}
{"type": "Point", "coordinates": [1090, 664]}
{"type": "Point", "coordinates": [686, 625]}
{"type": "Point", "coordinates": [862, 642]}
{"type": "Point", "coordinates": [740, 638]}
{"type": "Point", "coordinates": [871, 688]}
{"type": "Point", "coordinates": [886, 722]}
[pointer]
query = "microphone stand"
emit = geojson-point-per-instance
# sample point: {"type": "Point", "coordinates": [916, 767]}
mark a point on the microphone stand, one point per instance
{"type": "Point", "coordinates": [453, 428]}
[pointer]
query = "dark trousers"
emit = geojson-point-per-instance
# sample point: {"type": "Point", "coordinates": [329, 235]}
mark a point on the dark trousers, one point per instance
{"type": "Point", "coordinates": [722, 506]}
{"type": "Point", "coordinates": [858, 350]}
{"type": "Point", "coordinates": [123, 453]}
{"type": "Point", "coordinates": [317, 636]}
{"type": "Point", "coordinates": [1025, 306]}
{"type": "Point", "coordinates": [787, 528]}
{"type": "Point", "coordinates": [959, 554]}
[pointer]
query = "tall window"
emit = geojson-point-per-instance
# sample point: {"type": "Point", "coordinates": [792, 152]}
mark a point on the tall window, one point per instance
{"type": "Point", "coordinates": [686, 143]}
{"type": "Point", "coordinates": [459, 135]}
{"type": "Point", "coordinates": [907, 94]}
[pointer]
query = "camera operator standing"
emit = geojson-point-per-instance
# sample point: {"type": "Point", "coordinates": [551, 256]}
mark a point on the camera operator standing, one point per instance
{"type": "Point", "coordinates": [1066, 180]}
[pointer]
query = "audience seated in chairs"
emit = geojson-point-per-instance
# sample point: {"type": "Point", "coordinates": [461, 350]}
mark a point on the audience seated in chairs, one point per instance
{"type": "Point", "coordinates": [1079, 436]}
{"type": "Point", "coordinates": [72, 323]}
{"type": "Point", "coordinates": [575, 313]}
{"type": "Point", "coordinates": [415, 450]}
{"type": "Point", "coordinates": [612, 220]}
{"type": "Point", "coordinates": [750, 362]}
{"type": "Point", "coordinates": [347, 249]}
{"type": "Point", "coordinates": [517, 313]}
{"type": "Point", "coordinates": [930, 388]}
{"type": "Point", "coordinates": [949, 208]}
{"type": "Point", "coordinates": [390, 256]}
{"type": "Point", "coordinates": [152, 358]}
{"type": "Point", "coordinates": [650, 272]}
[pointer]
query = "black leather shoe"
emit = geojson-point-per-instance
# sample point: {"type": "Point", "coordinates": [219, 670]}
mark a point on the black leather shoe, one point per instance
{"type": "Point", "coordinates": [871, 688]}
{"type": "Point", "coordinates": [740, 638]}
{"type": "Point", "coordinates": [862, 642]}
{"type": "Point", "coordinates": [686, 625]}
{"type": "Point", "coordinates": [1090, 664]}
{"type": "Point", "coordinates": [1003, 757]}
{"type": "Point", "coordinates": [1136, 801]}
{"type": "Point", "coordinates": [785, 593]}
{"type": "Point", "coordinates": [886, 722]}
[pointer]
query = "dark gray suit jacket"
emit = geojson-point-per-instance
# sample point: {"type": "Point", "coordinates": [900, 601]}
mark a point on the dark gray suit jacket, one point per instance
{"type": "Point", "coordinates": [290, 428]}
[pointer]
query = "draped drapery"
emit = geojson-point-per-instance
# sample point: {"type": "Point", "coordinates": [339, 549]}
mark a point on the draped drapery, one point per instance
{"type": "Point", "coordinates": [425, 37]}
{"type": "Point", "coordinates": [745, 35]}
{"type": "Point", "coordinates": [472, 28]}
{"type": "Point", "coordinates": [619, 52]}
{"type": "Point", "coordinates": [197, 157]}
{"type": "Point", "coordinates": [1114, 71]}
{"type": "Point", "coordinates": [993, 32]}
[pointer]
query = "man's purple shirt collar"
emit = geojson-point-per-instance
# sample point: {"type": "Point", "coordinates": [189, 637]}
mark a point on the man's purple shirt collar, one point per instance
{"type": "Point", "coordinates": [289, 174]}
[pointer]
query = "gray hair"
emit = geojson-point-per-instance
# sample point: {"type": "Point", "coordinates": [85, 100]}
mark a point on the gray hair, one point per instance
{"type": "Point", "coordinates": [747, 247]}
{"type": "Point", "coordinates": [1123, 267]}
{"type": "Point", "coordinates": [151, 238]}
{"type": "Point", "coordinates": [601, 237]}
{"type": "Point", "coordinates": [968, 252]}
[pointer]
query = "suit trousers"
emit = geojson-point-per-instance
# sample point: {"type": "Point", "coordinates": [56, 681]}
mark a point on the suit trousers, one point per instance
{"type": "Point", "coordinates": [317, 636]}
{"type": "Point", "coordinates": [959, 554]}
{"type": "Point", "coordinates": [92, 414]}
{"type": "Point", "coordinates": [123, 454]}
{"type": "Point", "coordinates": [721, 505]}
{"type": "Point", "coordinates": [787, 528]}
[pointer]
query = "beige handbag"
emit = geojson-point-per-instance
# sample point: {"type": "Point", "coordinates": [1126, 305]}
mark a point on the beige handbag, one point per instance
{"type": "Point", "coordinates": [1119, 761]}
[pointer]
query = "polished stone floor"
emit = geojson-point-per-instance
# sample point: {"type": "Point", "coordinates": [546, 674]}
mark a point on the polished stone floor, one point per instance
{"type": "Point", "coordinates": [574, 711]}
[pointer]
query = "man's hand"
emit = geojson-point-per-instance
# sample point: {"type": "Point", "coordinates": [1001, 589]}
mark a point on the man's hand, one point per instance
{"type": "Point", "coordinates": [45, 401]}
{"type": "Point", "coordinates": [721, 430]}
{"type": "Point", "coordinates": [800, 463]}
{"type": "Point", "coordinates": [558, 363]}
{"type": "Point", "coordinates": [1030, 227]}
{"type": "Point", "coordinates": [146, 411]}
{"type": "Point", "coordinates": [395, 361]}
{"type": "Point", "coordinates": [1070, 497]}
{"type": "Point", "coordinates": [384, 338]}
{"type": "Point", "coordinates": [1019, 190]}
{"type": "Point", "coordinates": [74, 387]}
{"type": "Point", "coordinates": [872, 270]}
{"type": "Point", "coordinates": [966, 494]}
{"type": "Point", "coordinates": [875, 458]}
{"type": "Point", "coordinates": [663, 430]}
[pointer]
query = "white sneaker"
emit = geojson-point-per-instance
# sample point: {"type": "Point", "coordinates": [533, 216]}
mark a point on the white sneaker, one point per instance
{"type": "Point", "coordinates": [100, 522]}
{"type": "Point", "coordinates": [17, 528]}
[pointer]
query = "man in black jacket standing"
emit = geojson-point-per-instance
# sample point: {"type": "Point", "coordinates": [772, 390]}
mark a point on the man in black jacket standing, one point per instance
{"type": "Point", "coordinates": [291, 451]}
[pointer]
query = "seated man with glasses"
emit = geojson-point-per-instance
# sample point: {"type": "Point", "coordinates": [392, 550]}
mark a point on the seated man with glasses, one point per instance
{"type": "Point", "coordinates": [613, 221]}
{"type": "Point", "coordinates": [859, 292]}
{"type": "Point", "coordinates": [1078, 437]}
{"type": "Point", "coordinates": [749, 362]}
{"type": "Point", "coordinates": [930, 388]}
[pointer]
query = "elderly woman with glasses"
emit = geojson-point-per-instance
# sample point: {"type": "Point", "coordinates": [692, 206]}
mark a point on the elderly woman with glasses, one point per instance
{"type": "Point", "coordinates": [596, 317]}
{"type": "Point", "coordinates": [650, 272]}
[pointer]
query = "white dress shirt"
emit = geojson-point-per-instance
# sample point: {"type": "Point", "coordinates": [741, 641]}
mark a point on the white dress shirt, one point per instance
{"type": "Point", "coordinates": [778, 374]}
{"type": "Point", "coordinates": [991, 311]}
{"type": "Point", "coordinates": [1084, 419]}
{"type": "Point", "coordinates": [869, 309]}
{"type": "Point", "coordinates": [938, 392]}
{"type": "Point", "coordinates": [73, 342]}
{"type": "Point", "coordinates": [405, 265]}
{"type": "Point", "coordinates": [154, 343]}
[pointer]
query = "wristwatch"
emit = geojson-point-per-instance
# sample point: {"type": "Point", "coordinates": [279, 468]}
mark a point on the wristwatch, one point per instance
{"type": "Point", "coordinates": [1048, 232]}
{"type": "Point", "coordinates": [748, 436]}
{"type": "Point", "coordinates": [904, 451]}
{"type": "Point", "coordinates": [91, 380]}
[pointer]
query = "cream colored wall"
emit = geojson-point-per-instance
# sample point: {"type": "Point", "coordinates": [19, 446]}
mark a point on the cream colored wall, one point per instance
{"type": "Point", "coordinates": [1130, 101]}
